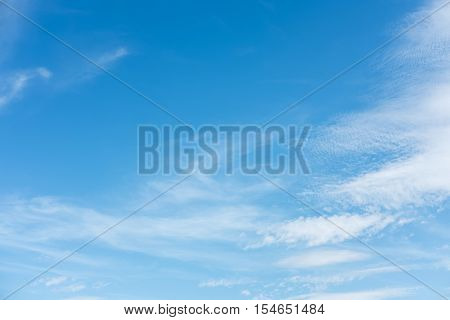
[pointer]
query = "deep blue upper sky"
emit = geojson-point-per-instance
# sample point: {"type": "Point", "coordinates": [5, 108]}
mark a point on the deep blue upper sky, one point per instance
{"type": "Point", "coordinates": [207, 62]}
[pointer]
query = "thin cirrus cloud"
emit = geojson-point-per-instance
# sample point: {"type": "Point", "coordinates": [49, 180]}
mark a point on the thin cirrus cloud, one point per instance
{"type": "Point", "coordinates": [74, 287]}
{"type": "Point", "coordinates": [60, 283]}
{"type": "Point", "coordinates": [322, 257]}
{"type": "Point", "coordinates": [419, 175]}
{"type": "Point", "coordinates": [318, 281]}
{"type": "Point", "coordinates": [197, 222]}
{"type": "Point", "coordinates": [323, 281]}
{"type": "Point", "coordinates": [81, 70]}
{"type": "Point", "coordinates": [105, 60]}
{"type": "Point", "coordinates": [110, 57]}
{"type": "Point", "coordinates": [190, 218]}
{"type": "Point", "coordinates": [314, 231]}
{"type": "Point", "coordinates": [54, 281]}
{"type": "Point", "coordinates": [409, 127]}
{"type": "Point", "coordinates": [227, 283]}
{"type": "Point", "coordinates": [14, 86]}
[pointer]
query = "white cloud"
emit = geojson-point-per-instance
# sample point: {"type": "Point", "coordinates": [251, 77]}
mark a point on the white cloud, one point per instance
{"type": "Point", "coordinates": [43, 72]}
{"type": "Point", "coordinates": [246, 293]}
{"type": "Point", "coordinates": [427, 45]}
{"type": "Point", "coordinates": [74, 287]}
{"type": "Point", "coordinates": [228, 283]}
{"type": "Point", "coordinates": [323, 281]}
{"type": "Point", "coordinates": [419, 176]}
{"type": "Point", "coordinates": [167, 227]}
{"type": "Point", "coordinates": [317, 230]}
{"type": "Point", "coordinates": [322, 257]}
{"type": "Point", "coordinates": [80, 71]}
{"type": "Point", "coordinates": [12, 87]}
{"type": "Point", "coordinates": [202, 212]}
{"type": "Point", "coordinates": [406, 132]}
{"type": "Point", "coordinates": [108, 58]}
{"type": "Point", "coordinates": [55, 281]}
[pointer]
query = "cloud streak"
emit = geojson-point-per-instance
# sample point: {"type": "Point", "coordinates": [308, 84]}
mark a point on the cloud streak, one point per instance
{"type": "Point", "coordinates": [316, 231]}
{"type": "Point", "coordinates": [109, 58]}
{"type": "Point", "coordinates": [13, 87]}
{"type": "Point", "coordinates": [405, 132]}
{"type": "Point", "coordinates": [320, 258]}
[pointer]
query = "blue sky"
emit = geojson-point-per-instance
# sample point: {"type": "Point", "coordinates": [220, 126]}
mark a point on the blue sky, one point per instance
{"type": "Point", "coordinates": [377, 150]}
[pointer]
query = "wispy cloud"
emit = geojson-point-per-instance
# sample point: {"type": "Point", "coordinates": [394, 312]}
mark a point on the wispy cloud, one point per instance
{"type": "Point", "coordinates": [173, 228]}
{"type": "Point", "coordinates": [202, 211]}
{"type": "Point", "coordinates": [55, 281]}
{"type": "Point", "coordinates": [322, 257]}
{"type": "Point", "coordinates": [325, 280]}
{"type": "Point", "coordinates": [12, 87]}
{"type": "Point", "coordinates": [80, 70]}
{"type": "Point", "coordinates": [406, 131]}
{"type": "Point", "coordinates": [74, 287]}
{"type": "Point", "coordinates": [315, 231]}
{"type": "Point", "coordinates": [107, 58]}
{"type": "Point", "coordinates": [227, 283]}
